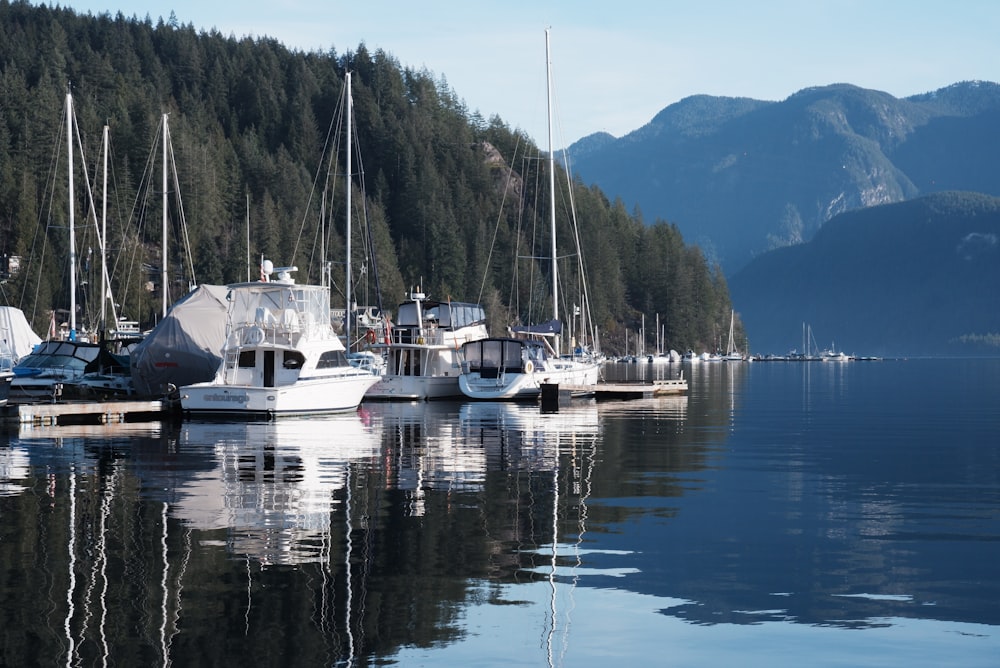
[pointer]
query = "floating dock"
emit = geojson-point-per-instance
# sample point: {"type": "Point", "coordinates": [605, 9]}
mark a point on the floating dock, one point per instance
{"type": "Point", "coordinates": [85, 412]}
{"type": "Point", "coordinates": [554, 394]}
{"type": "Point", "coordinates": [625, 390]}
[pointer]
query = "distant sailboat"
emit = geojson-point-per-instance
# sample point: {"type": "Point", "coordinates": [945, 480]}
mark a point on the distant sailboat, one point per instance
{"type": "Point", "coordinates": [732, 354]}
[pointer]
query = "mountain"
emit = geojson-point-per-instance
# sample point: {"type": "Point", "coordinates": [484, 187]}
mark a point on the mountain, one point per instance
{"type": "Point", "coordinates": [911, 278]}
{"type": "Point", "coordinates": [740, 177]}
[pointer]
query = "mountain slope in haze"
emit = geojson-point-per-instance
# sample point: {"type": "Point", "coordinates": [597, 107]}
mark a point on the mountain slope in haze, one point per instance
{"type": "Point", "coordinates": [919, 277]}
{"type": "Point", "coordinates": [740, 177]}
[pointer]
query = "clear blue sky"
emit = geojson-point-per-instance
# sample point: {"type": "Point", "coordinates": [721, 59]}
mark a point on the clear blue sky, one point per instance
{"type": "Point", "coordinates": [617, 63]}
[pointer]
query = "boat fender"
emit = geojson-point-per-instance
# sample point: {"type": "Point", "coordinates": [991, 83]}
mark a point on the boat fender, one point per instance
{"type": "Point", "coordinates": [370, 336]}
{"type": "Point", "coordinates": [529, 367]}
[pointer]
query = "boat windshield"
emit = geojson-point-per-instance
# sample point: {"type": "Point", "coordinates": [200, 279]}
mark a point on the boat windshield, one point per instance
{"type": "Point", "coordinates": [60, 355]}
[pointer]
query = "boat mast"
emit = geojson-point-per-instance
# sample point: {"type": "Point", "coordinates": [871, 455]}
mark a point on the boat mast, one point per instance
{"type": "Point", "coordinates": [347, 235]}
{"type": "Point", "coordinates": [72, 231]}
{"type": "Point", "coordinates": [163, 271]}
{"type": "Point", "coordinates": [104, 230]}
{"type": "Point", "coordinates": [552, 189]}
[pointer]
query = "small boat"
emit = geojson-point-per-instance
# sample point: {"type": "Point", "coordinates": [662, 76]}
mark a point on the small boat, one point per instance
{"type": "Point", "coordinates": [281, 356]}
{"type": "Point", "coordinates": [424, 348]}
{"type": "Point", "coordinates": [42, 375]}
{"type": "Point", "coordinates": [109, 375]}
{"type": "Point", "coordinates": [515, 369]}
{"type": "Point", "coordinates": [832, 355]}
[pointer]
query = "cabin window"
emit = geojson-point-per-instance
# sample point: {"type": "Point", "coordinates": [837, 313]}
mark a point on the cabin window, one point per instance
{"type": "Point", "coordinates": [332, 359]}
{"type": "Point", "coordinates": [248, 359]}
{"type": "Point", "coordinates": [293, 359]}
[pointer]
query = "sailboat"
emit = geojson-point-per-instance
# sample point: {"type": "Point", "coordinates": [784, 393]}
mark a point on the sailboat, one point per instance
{"type": "Point", "coordinates": [41, 375]}
{"type": "Point", "coordinates": [516, 367]}
{"type": "Point", "coordinates": [282, 355]}
{"type": "Point", "coordinates": [732, 354]}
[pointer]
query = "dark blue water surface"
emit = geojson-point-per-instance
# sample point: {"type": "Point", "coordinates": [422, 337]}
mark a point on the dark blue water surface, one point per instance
{"type": "Point", "coordinates": [780, 514]}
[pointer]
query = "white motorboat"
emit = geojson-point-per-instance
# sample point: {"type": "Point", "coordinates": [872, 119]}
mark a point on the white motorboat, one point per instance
{"type": "Point", "coordinates": [281, 356]}
{"type": "Point", "coordinates": [424, 349]}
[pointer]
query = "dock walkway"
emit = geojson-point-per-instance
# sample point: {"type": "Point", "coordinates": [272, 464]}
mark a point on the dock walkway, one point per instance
{"type": "Point", "coordinates": [84, 412]}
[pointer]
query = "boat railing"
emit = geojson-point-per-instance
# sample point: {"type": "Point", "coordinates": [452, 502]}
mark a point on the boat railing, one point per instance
{"type": "Point", "coordinates": [268, 328]}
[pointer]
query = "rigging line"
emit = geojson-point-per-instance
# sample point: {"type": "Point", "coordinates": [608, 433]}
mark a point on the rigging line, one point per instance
{"type": "Point", "coordinates": [92, 213]}
{"type": "Point", "coordinates": [182, 221]}
{"type": "Point", "coordinates": [332, 136]}
{"type": "Point", "coordinates": [496, 226]}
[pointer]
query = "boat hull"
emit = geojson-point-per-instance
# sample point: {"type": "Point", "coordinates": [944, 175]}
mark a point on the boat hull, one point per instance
{"type": "Point", "coordinates": [414, 388]}
{"type": "Point", "coordinates": [5, 380]}
{"type": "Point", "coordinates": [527, 386]}
{"type": "Point", "coordinates": [305, 397]}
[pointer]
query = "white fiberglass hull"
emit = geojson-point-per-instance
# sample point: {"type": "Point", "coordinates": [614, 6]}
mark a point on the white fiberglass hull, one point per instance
{"type": "Point", "coordinates": [308, 396]}
{"type": "Point", "coordinates": [525, 386]}
{"type": "Point", "coordinates": [414, 388]}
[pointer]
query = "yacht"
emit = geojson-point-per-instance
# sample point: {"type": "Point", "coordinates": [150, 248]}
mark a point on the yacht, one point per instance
{"type": "Point", "coordinates": [281, 356]}
{"type": "Point", "coordinates": [424, 349]}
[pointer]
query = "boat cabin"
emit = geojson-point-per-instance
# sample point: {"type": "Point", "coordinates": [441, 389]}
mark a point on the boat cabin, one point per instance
{"type": "Point", "coordinates": [492, 357]}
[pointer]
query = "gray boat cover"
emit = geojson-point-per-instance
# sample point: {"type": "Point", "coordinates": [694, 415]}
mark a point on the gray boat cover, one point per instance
{"type": "Point", "coordinates": [16, 332]}
{"type": "Point", "coordinates": [185, 347]}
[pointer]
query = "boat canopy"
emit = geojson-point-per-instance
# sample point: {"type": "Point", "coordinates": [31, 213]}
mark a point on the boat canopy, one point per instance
{"type": "Point", "coordinates": [276, 304]}
{"type": "Point", "coordinates": [507, 354]}
{"type": "Point", "coordinates": [16, 332]}
{"type": "Point", "coordinates": [186, 346]}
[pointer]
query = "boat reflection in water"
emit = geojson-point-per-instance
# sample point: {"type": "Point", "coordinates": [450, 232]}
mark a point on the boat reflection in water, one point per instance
{"type": "Point", "coordinates": [274, 484]}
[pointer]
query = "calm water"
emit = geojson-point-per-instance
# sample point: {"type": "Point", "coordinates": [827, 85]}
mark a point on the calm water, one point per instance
{"type": "Point", "coordinates": [782, 514]}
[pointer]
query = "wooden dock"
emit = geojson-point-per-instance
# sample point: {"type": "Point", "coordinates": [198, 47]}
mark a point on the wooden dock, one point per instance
{"type": "Point", "coordinates": [555, 394]}
{"type": "Point", "coordinates": [85, 412]}
{"type": "Point", "coordinates": [638, 390]}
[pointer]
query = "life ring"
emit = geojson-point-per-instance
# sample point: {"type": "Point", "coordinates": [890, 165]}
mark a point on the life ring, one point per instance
{"type": "Point", "coordinates": [528, 367]}
{"type": "Point", "coordinates": [253, 336]}
{"type": "Point", "coordinates": [370, 336]}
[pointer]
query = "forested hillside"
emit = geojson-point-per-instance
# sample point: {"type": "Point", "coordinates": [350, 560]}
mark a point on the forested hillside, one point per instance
{"type": "Point", "coordinates": [442, 198]}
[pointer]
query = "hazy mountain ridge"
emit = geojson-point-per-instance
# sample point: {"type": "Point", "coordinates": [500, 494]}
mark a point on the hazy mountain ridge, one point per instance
{"type": "Point", "coordinates": [910, 278]}
{"type": "Point", "coordinates": [741, 177]}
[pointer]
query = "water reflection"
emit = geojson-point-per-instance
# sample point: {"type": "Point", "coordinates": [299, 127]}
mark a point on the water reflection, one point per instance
{"type": "Point", "coordinates": [271, 485]}
{"type": "Point", "coordinates": [770, 504]}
